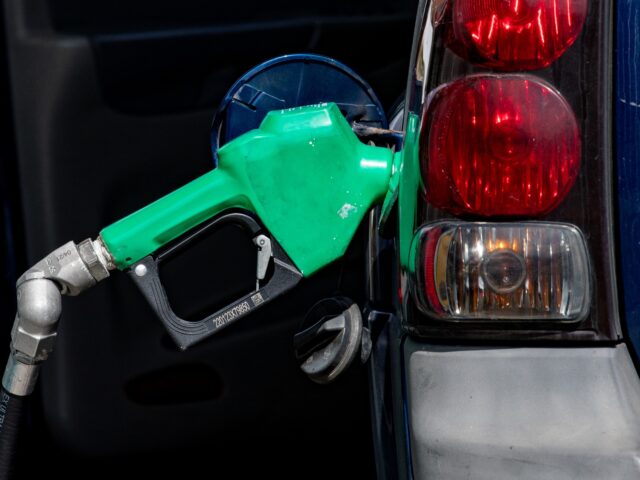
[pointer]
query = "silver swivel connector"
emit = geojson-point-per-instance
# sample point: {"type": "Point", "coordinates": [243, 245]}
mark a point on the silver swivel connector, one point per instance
{"type": "Point", "coordinates": [68, 270]}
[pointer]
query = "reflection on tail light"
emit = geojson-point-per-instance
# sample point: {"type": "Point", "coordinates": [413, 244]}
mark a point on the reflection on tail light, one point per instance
{"type": "Point", "coordinates": [489, 271]}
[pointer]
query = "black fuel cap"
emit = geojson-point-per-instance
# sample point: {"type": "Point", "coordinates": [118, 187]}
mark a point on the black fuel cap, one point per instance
{"type": "Point", "coordinates": [333, 340]}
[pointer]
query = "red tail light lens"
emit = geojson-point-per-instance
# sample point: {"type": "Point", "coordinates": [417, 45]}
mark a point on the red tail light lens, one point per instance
{"type": "Point", "coordinates": [499, 146]}
{"type": "Point", "coordinates": [516, 34]}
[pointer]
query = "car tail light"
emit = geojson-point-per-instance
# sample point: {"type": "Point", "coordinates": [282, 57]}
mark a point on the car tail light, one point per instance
{"type": "Point", "coordinates": [494, 145]}
{"type": "Point", "coordinates": [527, 153]}
{"type": "Point", "coordinates": [516, 272]}
{"type": "Point", "coordinates": [515, 34]}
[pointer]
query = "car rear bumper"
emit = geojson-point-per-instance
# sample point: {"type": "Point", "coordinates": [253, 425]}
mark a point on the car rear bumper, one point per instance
{"type": "Point", "coordinates": [527, 413]}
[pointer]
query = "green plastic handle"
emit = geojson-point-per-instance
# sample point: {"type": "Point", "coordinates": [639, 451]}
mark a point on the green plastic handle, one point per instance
{"type": "Point", "coordinates": [147, 230]}
{"type": "Point", "coordinates": [304, 173]}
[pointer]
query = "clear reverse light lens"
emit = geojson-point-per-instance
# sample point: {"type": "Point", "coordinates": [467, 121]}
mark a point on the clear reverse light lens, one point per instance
{"type": "Point", "coordinates": [528, 272]}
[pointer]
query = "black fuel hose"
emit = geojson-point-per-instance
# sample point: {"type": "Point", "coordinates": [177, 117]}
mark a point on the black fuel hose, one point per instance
{"type": "Point", "coordinates": [11, 414]}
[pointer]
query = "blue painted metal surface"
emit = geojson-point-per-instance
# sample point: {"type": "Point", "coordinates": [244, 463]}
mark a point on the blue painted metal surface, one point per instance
{"type": "Point", "coordinates": [628, 158]}
{"type": "Point", "coordinates": [293, 81]}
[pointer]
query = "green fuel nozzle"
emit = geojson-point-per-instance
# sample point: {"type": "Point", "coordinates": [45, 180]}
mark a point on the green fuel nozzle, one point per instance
{"type": "Point", "coordinates": [304, 174]}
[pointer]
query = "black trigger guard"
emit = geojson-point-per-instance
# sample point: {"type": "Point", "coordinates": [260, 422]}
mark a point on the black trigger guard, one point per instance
{"type": "Point", "coordinates": [145, 274]}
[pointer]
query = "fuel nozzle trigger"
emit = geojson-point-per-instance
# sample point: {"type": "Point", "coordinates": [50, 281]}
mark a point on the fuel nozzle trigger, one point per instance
{"type": "Point", "coordinates": [284, 276]}
{"type": "Point", "coordinates": [265, 252]}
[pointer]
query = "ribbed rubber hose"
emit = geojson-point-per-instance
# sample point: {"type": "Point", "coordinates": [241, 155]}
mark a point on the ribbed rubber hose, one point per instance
{"type": "Point", "coordinates": [11, 410]}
